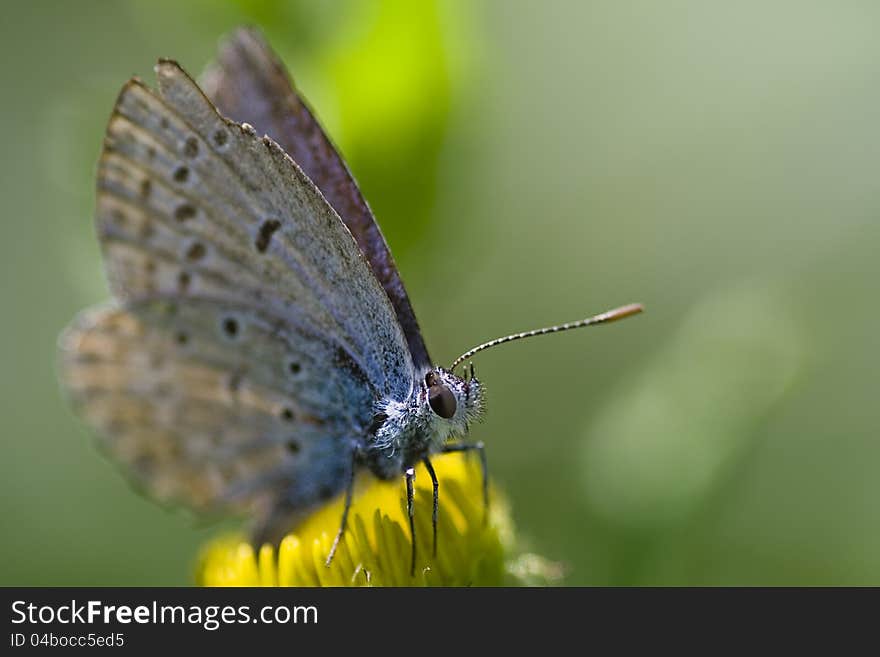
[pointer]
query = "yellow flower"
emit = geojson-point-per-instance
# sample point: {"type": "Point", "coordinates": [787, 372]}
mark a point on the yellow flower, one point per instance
{"type": "Point", "coordinates": [375, 550]}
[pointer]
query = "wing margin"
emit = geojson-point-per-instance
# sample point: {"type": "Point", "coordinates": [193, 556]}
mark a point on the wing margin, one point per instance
{"type": "Point", "coordinates": [249, 83]}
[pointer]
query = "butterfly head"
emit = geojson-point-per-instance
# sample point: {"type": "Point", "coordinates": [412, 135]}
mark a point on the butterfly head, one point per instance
{"type": "Point", "coordinates": [441, 407]}
{"type": "Point", "coordinates": [450, 401]}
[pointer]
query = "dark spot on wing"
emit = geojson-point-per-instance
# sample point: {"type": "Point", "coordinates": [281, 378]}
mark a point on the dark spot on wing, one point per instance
{"type": "Point", "coordinates": [191, 147]}
{"type": "Point", "coordinates": [146, 188]}
{"type": "Point", "coordinates": [183, 280]}
{"type": "Point", "coordinates": [287, 414]}
{"type": "Point", "coordinates": [196, 251]}
{"type": "Point", "coordinates": [230, 327]}
{"type": "Point", "coordinates": [267, 229]}
{"type": "Point", "coordinates": [118, 216]}
{"type": "Point", "coordinates": [220, 137]}
{"type": "Point", "coordinates": [150, 266]}
{"type": "Point", "coordinates": [184, 211]}
{"type": "Point", "coordinates": [181, 174]}
{"type": "Point", "coordinates": [292, 446]}
{"type": "Point", "coordinates": [163, 123]}
{"type": "Point", "coordinates": [182, 337]}
{"type": "Point", "coordinates": [326, 491]}
{"type": "Point", "coordinates": [294, 368]}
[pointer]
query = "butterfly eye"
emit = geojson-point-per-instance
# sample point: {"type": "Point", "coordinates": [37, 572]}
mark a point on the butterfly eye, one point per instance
{"type": "Point", "coordinates": [442, 401]}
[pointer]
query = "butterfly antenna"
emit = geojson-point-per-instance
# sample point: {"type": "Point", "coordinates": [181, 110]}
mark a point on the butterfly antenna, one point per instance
{"type": "Point", "coordinates": [602, 318]}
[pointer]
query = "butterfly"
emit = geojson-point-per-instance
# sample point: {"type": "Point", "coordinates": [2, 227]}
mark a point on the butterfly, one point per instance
{"type": "Point", "coordinates": [260, 349]}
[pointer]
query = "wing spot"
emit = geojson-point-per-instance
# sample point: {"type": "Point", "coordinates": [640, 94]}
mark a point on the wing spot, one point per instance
{"type": "Point", "coordinates": [294, 367]}
{"type": "Point", "coordinates": [163, 123]}
{"type": "Point", "coordinates": [150, 266]}
{"type": "Point", "coordinates": [221, 137]}
{"type": "Point", "coordinates": [191, 147]}
{"type": "Point", "coordinates": [230, 327]}
{"type": "Point", "coordinates": [326, 492]}
{"type": "Point", "coordinates": [181, 174]}
{"type": "Point", "coordinates": [196, 251]}
{"type": "Point", "coordinates": [118, 216]}
{"type": "Point", "coordinates": [145, 188]}
{"type": "Point", "coordinates": [287, 414]}
{"type": "Point", "coordinates": [292, 446]}
{"type": "Point", "coordinates": [184, 211]}
{"type": "Point", "coordinates": [184, 278]}
{"type": "Point", "coordinates": [267, 229]}
{"type": "Point", "coordinates": [182, 337]}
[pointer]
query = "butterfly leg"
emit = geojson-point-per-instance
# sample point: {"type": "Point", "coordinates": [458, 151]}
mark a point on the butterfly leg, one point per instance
{"type": "Point", "coordinates": [349, 493]}
{"type": "Point", "coordinates": [410, 475]}
{"type": "Point", "coordinates": [484, 465]}
{"type": "Point", "coordinates": [436, 486]}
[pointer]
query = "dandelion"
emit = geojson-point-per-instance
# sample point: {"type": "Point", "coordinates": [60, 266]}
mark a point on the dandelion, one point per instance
{"type": "Point", "coordinates": [375, 550]}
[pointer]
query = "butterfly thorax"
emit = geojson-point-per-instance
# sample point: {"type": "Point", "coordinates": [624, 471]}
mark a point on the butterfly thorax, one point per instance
{"type": "Point", "coordinates": [440, 408]}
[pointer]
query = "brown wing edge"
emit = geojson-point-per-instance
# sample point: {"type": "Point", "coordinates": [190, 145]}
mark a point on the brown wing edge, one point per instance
{"type": "Point", "coordinates": [249, 83]}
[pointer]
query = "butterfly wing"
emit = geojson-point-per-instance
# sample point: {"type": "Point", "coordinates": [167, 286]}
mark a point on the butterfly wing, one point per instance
{"type": "Point", "coordinates": [249, 83]}
{"type": "Point", "coordinates": [248, 321]}
{"type": "Point", "coordinates": [200, 402]}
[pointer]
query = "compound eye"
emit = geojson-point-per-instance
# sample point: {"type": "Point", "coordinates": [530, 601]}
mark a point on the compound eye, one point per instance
{"type": "Point", "coordinates": [442, 401]}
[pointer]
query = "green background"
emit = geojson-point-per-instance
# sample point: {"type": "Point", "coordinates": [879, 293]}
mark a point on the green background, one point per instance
{"type": "Point", "coordinates": [529, 163]}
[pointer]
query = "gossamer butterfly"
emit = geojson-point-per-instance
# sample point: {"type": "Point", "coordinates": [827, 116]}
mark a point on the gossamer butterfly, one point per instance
{"type": "Point", "coordinates": [260, 349]}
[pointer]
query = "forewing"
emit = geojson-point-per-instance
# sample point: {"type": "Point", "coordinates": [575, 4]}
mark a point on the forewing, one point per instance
{"type": "Point", "coordinates": [214, 405]}
{"type": "Point", "coordinates": [249, 83]}
{"type": "Point", "coordinates": [195, 206]}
